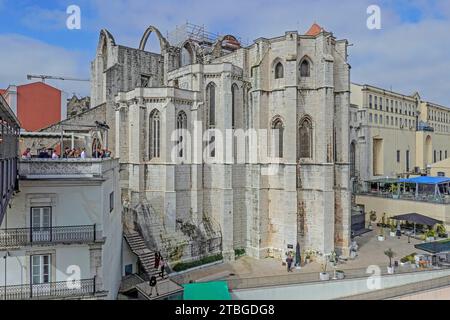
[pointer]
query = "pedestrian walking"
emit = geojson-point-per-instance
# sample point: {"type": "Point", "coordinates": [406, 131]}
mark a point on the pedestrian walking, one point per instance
{"type": "Point", "coordinates": [399, 231]}
{"type": "Point", "coordinates": [162, 266]}
{"type": "Point", "coordinates": [153, 285]}
{"type": "Point", "coordinates": [289, 263]}
{"type": "Point", "coordinates": [157, 257]}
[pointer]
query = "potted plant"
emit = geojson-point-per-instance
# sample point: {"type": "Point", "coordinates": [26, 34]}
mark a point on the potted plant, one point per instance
{"type": "Point", "coordinates": [392, 233]}
{"type": "Point", "coordinates": [431, 235]}
{"type": "Point", "coordinates": [441, 231]}
{"type": "Point", "coordinates": [372, 218]}
{"type": "Point", "coordinates": [324, 275]}
{"type": "Point", "coordinates": [393, 189]}
{"type": "Point", "coordinates": [307, 257]}
{"type": "Point", "coordinates": [390, 254]}
{"type": "Point", "coordinates": [340, 274]}
{"type": "Point", "coordinates": [381, 234]}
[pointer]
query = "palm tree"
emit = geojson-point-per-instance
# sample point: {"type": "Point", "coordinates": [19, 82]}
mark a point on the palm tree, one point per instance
{"type": "Point", "coordinates": [390, 254]}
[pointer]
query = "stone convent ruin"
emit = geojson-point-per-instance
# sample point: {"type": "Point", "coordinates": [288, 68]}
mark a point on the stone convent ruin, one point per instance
{"type": "Point", "coordinates": [294, 87]}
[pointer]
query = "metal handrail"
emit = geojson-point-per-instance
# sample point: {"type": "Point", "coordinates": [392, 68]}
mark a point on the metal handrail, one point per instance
{"type": "Point", "coordinates": [69, 288]}
{"type": "Point", "coordinates": [16, 237]}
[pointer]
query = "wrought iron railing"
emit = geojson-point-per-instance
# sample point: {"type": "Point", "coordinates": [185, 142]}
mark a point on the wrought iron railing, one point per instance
{"type": "Point", "coordinates": [421, 198]}
{"type": "Point", "coordinates": [28, 236]}
{"type": "Point", "coordinates": [62, 289]}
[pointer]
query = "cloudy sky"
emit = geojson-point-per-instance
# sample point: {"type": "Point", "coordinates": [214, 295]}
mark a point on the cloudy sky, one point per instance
{"type": "Point", "coordinates": [409, 53]}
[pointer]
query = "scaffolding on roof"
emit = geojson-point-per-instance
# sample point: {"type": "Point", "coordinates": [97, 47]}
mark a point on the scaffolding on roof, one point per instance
{"type": "Point", "coordinates": [193, 32]}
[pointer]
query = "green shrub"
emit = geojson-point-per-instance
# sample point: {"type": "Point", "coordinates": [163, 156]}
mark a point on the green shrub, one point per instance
{"type": "Point", "coordinates": [409, 258]}
{"type": "Point", "coordinates": [189, 265]}
{"type": "Point", "coordinates": [239, 252]}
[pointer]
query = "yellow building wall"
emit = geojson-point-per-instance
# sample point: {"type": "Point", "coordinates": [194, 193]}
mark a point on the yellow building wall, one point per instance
{"type": "Point", "coordinates": [394, 207]}
{"type": "Point", "coordinates": [441, 166]}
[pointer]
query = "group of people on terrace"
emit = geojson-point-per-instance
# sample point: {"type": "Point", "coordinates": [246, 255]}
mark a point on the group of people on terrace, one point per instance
{"type": "Point", "coordinates": [69, 153]}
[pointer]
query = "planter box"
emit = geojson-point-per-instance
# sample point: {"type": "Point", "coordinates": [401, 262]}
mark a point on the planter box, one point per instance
{"type": "Point", "coordinates": [340, 275]}
{"type": "Point", "coordinates": [430, 239]}
{"type": "Point", "coordinates": [380, 238]}
{"type": "Point", "coordinates": [390, 270]}
{"type": "Point", "coordinates": [392, 234]}
{"type": "Point", "coordinates": [324, 276]}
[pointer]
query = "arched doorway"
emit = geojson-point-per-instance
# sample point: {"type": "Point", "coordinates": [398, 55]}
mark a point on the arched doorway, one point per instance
{"type": "Point", "coordinates": [428, 150]}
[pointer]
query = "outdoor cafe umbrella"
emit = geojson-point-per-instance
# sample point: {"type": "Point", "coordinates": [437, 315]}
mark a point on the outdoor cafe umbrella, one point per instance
{"type": "Point", "coordinates": [417, 219]}
{"type": "Point", "coordinates": [298, 257]}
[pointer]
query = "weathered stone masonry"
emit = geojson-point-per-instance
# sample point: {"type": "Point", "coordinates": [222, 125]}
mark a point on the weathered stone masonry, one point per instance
{"type": "Point", "coordinates": [187, 209]}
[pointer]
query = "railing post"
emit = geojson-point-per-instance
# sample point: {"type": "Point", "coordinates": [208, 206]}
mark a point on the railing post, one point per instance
{"type": "Point", "coordinates": [95, 232]}
{"type": "Point", "coordinates": [94, 286]}
{"type": "Point", "coordinates": [31, 234]}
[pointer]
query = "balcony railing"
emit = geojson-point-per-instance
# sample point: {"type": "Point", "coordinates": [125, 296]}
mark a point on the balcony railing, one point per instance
{"type": "Point", "coordinates": [62, 289]}
{"type": "Point", "coordinates": [445, 199]}
{"type": "Point", "coordinates": [30, 236]}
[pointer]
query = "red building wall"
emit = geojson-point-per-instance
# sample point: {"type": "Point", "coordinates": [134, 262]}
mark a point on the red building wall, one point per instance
{"type": "Point", "coordinates": [38, 106]}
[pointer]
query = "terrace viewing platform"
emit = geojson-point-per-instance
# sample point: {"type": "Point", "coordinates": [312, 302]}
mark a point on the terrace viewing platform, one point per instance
{"type": "Point", "coordinates": [425, 195]}
{"type": "Point", "coordinates": [74, 168]}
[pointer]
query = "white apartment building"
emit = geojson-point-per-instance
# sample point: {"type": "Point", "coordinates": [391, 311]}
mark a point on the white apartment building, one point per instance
{"type": "Point", "coordinates": [62, 236]}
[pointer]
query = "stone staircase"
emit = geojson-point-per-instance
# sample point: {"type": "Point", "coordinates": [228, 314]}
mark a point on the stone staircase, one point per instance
{"type": "Point", "coordinates": [144, 254]}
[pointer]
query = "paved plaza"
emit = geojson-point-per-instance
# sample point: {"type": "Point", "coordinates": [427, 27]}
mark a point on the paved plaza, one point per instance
{"type": "Point", "coordinates": [371, 252]}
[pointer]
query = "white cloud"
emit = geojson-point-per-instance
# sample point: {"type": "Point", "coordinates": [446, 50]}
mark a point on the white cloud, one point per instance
{"type": "Point", "coordinates": [37, 18]}
{"type": "Point", "coordinates": [23, 55]}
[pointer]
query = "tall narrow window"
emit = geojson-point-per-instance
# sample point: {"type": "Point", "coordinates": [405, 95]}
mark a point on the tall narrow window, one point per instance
{"type": "Point", "coordinates": [278, 138]}
{"type": "Point", "coordinates": [211, 100]}
{"type": "Point", "coordinates": [305, 69]}
{"type": "Point", "coordinates": [279, 71]}
{"type": "Point", "coordinates": [181, 128]}
{"type": "Point", "coordinates": [407, 161]}
{"type": "Point", "coordinates": [305, 137]}
{"type": "Point", "coordinates": [353, 159]}
{"type": "Point", "coordinates": [155, 135]}
{"type": "Point", "coordinates": [234, 95]}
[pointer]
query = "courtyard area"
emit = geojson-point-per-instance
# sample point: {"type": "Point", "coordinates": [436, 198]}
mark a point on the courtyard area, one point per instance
{"type": "Point", "coordinates": [371, 252]}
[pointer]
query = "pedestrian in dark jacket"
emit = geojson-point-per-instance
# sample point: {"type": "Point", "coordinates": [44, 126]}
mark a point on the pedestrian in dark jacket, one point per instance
{"type": "Point", "coordinates": [157, 257]}
{"type": "Point", "coordinates": [153, 285]}
{"type": "Point", "coordinates": [162, 266]}
{"type": "Point", "coordinates": [289, 263]}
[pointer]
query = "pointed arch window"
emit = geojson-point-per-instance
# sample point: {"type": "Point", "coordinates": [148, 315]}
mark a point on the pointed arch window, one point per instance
{"type": "Point", "coordinates": [277, 138]}
{"type": "Point", "coordinates": [105, 56]}
{"type": "Point", "coordinates": [279, 71]}
{"type": "Point", "coordinates": [155, 135]}
{"type": "Point", "coordinates": [181, 129]}
{"type": "Point", "coordinates": [211, 100]}
{"type": "Point", "coordinates": [187, 55]}
{"type": "Point", "coordinates": [305, 136]}
{"type": "Point", "coordinates": [353, 159]}
{"type": "Point", "coordinates": [234, 96]}
{"type": "Point", "coordinates": [305, 68]}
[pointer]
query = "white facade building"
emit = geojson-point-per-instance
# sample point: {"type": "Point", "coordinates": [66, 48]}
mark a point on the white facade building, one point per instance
{"type": "Point", "coordinates": [62, 236]}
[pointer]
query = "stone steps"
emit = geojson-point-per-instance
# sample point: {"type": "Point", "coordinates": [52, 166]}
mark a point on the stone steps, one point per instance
{"type": "Point", "coordinates": [145, 255]}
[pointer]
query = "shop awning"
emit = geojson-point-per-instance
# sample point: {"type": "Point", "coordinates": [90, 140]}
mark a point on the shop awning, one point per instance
{"type": "Point", "coordinates": [417, 218]}
{"type": "Point", "coordinates": [435, 247]}
{"type": "Point", "coordinates": [217, 290]}
{"type": "Point", "coordinates": [426, 180]}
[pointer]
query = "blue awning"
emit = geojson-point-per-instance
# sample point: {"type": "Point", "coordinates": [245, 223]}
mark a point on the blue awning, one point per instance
{"type": "Point", "coordinates": [426, 180]}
